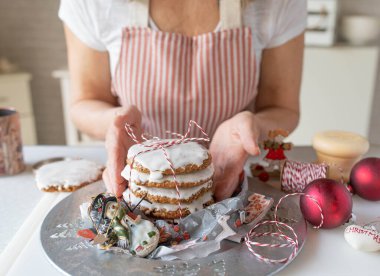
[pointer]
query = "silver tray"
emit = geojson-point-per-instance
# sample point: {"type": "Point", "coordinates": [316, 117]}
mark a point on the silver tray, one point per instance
{"type": "Point", "coordinates": [75, 256]}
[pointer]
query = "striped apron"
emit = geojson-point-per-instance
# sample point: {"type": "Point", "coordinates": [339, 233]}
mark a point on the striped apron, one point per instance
{"type": "Point", "coordinates": [173, 78]}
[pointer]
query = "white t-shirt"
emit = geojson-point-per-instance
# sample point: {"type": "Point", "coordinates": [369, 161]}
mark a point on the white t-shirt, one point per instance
{"type": "Point", "coordinates": [98, 23]}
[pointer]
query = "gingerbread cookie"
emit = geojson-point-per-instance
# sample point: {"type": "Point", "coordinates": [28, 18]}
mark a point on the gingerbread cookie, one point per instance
{"type": "Point", "coordinates": [167, 210]}
{"type": "Point", "coordinates": [151, 179]}
{"type": "Point", "coordinates": [67, 175]}
{"type": "Point", "coordinates": [163, 195]}
{"type": "Point", "coordinates": [159, 180]}
{"type": "Point", "coordinates": [186, 158]}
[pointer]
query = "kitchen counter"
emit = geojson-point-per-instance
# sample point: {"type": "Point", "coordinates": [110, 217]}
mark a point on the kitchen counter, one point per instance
{"type": "Point", "coordinates": [24, 207]}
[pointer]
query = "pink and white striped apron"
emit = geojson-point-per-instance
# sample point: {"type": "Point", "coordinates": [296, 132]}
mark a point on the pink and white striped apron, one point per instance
{"type": "Point", "coordinates": [173, 78]}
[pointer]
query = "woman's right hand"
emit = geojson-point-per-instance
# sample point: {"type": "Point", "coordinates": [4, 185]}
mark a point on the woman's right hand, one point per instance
{"type": "Point", "coordinates": [117, 143]}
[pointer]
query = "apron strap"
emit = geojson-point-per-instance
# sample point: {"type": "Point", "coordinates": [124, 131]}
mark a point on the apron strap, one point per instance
{"type": "Point", "coordinates": [139, 14]}
{"type": "Point", "coordinates": [230, 14]}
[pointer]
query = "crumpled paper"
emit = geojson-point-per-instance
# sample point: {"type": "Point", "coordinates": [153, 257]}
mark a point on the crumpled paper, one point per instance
{"type": "Point", "coordinates": [201, 233]}
{"type": "Point", "coordinates": [208, 227]}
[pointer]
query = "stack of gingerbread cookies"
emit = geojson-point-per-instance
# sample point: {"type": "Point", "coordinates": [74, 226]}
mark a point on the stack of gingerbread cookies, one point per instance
{"type": "Point", "coordinates": [150, 175]}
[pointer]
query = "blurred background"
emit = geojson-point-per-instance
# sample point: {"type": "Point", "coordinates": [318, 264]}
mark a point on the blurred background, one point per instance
{"type": "Point", "coordinates": [341, 83]}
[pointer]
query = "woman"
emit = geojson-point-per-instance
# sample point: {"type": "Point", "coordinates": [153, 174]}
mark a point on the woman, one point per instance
{"type": "Point", "coordinates": [234, 67]}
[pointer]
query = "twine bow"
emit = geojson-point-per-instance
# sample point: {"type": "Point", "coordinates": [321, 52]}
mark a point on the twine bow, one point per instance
{"type": "Point", "coordinates": [157, 143]}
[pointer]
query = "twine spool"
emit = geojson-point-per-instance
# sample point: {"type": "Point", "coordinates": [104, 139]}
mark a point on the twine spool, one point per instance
{"type": "Point", "coordinates": [296, 175]}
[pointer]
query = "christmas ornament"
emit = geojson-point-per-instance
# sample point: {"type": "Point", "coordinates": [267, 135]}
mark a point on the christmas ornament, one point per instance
{"type": "Point", "coordinates": [257, 203]}
{"type": "Point", "coordinates": [276, 147]}
{"type": "Point", "coordinates": [117, 225]}
{"type": "Point", "coordinates": [144, 234]}
{"type": "Point", "coordinates": [365, 178]}
{"type": "Point", "coordinates": [334, 199]}
{"type": "Point", "coordinates": [364, 238]}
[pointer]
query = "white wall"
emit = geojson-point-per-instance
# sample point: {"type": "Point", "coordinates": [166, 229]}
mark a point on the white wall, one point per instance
{"type": "Point", "coordinates": [370, 7]}
{"type": "Point", "coordinates": [32, 36]}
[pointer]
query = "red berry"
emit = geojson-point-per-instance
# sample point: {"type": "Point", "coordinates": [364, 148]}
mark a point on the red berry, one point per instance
{"type": "Point", "coordinates": [186, 236]}
{"type": "Point", "coordinates": [259, 168]}
{"type": "Point", "coordinates": [264, 176]}
{"type": "Point", "coordinates": [238, 223]}
{"type": "Point", "coordinates": [178, 239]}
{"type": "Point", "coordinates": [176, 228]}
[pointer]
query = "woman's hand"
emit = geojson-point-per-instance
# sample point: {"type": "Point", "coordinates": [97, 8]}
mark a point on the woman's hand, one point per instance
{"type": "Point", "coordinates": [117, 144]}
{"type": "Point", "coordinates": [233, 141]}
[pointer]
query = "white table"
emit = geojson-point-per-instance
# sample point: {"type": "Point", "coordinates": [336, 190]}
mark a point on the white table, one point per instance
{"type": "Point", "coordinates": [325, 251]}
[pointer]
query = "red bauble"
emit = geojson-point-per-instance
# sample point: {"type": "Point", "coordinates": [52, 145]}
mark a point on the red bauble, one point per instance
{"type": "Point", "coordinates": [365, 178]}
{"type": "Point", "coordinates": [334, 199]}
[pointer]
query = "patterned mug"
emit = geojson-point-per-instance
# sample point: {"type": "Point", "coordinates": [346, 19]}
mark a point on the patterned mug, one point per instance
{"type": "Point", "coordinates": [11, 157]}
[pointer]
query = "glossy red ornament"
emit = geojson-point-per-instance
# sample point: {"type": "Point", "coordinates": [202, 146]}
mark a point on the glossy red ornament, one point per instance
{"type": "Point", "coordinates": [365, 178]}
{"type": "Point", "coordinates": [334, 199]}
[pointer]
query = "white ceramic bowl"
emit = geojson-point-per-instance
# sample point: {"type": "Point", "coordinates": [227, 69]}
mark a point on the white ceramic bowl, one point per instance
{"type": "Point", "coordinates": [360, 29]}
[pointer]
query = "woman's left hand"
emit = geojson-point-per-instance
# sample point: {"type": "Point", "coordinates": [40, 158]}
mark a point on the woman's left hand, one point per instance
{"type": "Point", "coordinates": [233, 141]}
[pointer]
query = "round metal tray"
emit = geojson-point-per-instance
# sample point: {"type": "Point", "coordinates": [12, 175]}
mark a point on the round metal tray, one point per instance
{"type": "Point", "coordinates": [75, 256]}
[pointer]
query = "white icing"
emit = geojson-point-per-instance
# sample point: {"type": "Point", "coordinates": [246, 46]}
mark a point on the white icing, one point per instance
{"type": "Point", "coordinates": [180, 155]}
{"type": "Point", "coordinates": [67, 173]}
{"type": "Point", "coordinates": [193, 177]}
{"type": "Point", "coordinates": [185, 193]}
{"type": "Point", "coordinates": [192, 207]}
{"type": "Point", "coordinates": [156, 176]}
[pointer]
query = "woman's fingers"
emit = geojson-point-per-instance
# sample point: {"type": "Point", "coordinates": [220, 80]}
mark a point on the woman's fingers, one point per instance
{"type": "Point", "coordinates": [249, 136]}
{"type": "Point", "coordinates": [112, 186]}
{"type": "Point", "coordinates": [115, 164]}
{"type": "Point", "coordinates": [225, 184]}
{"type": "Point", "coordinates": [117, 145]}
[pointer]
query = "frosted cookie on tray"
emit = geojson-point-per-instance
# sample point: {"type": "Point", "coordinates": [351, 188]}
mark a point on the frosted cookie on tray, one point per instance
{"type": "Point", "coordinates": [67, 175]}
{"type": "Point", "coordinates": [165, 195]}
{"type": "Point", "coordinates": [158, 180]}
{"type": "Point", "coordinates": [167, 210]}
{"type": "Point", "coordinates": [186, 158]}
{"type": "Point", "coordinates": [151, 178]}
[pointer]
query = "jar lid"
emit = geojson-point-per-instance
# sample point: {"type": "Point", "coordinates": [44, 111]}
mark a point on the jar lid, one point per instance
{"type": "Point", "coordinates": [340, 143]}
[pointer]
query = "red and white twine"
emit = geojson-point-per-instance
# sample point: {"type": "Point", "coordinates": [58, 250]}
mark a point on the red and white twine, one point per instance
{"type": "Point", "coordinates": [296, 175]}
{"type": "Point", "coordinates": [291, 241]}
{"type": "Point", "coordinates": [157, 143]}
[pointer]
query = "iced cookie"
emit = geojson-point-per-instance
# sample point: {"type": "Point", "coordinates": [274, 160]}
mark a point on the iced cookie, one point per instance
{"type": "Point", "coordinates": [67, 175]}
{"type": "Point", "coordinates": [152, 179]}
